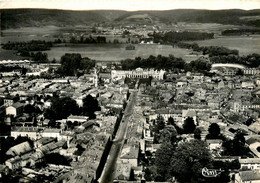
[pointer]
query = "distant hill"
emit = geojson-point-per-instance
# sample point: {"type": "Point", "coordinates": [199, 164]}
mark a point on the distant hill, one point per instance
{"type": "Point", "coordinates": [14, 18]}
{"type": "Point", "coordinates": [200, 16]}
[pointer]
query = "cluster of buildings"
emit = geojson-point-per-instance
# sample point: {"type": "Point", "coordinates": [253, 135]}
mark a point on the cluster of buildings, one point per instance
{"type": "Point", "coordinates": [231, 101]}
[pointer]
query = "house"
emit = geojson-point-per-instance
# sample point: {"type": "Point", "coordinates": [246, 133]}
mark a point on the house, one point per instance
{"type": "Point", "coordinates": [123, 171]}
{"type": "Point", "coordinates": [16, 109]}
{"type": "Point", "coordinates": [189, 113]}
{"type": "Point", "coordinates": [9, 101]}
{"type": "Point", "coordinates": [14, 163]}
{"type": "Point", "coordinates": [31, 132]}
{"type": "Point", "coordinates": [51, 132]}
{"type": "Point", "coordinates": [80, 119]}
{"type": "Point", "coordinates": [130, 155]}
{"type": "Point", "coordinates": [250, 163]}
{"type": "Point", "coordinates": [214, 144]}
{"type": "Point", "coordinates": [43, 141]}
{"type": "Point", "coordinates": [37, 157]}
{"type": "Point", "coordinates": [19, 149]}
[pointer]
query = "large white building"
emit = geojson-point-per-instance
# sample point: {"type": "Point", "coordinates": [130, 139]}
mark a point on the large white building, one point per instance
{"type": "Point", "coordinates": [137, 73]}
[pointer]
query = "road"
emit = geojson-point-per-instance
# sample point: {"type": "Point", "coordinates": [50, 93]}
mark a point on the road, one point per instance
{"type": "Point", "coordinates": [110, 167]}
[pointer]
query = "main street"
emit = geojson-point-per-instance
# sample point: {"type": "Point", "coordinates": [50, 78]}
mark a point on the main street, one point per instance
{"type": "Point", "coordinates": [110, 167]}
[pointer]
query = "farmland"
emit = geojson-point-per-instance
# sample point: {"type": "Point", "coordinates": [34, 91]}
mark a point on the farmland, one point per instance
{"type": "Point", "coordinates": [244, 44]}
{"type": "Point", "coordinates": [116, 52]}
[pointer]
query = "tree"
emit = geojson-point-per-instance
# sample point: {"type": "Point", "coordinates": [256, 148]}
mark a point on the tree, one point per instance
{"type": "Point", "coordinates": [157, 127]}
{"type": "Point", "coordinates": [61, 108]}
{"type": "Point", "coordinates": [214, 131]}
{"type": "Point", "coordinates": [235, 147]}
{"type": "Point", "coordinates": [189, 125]}
{"type": "Point", "coordinates": [170, 121]}
{"type": "Point", "coordinates": [197, 133]}
{"type": "Point", "coordinates": [188, 160]}
{"type": "Point", "coordinates": [57, 159]}
{"type": "Point", "coordinates": [90, 106]}
{"type": "Point", "coordinates": [70, 64]}
{"type": "Point", "coordinates": [168, 134]}
{"type": "Point", "coordinates": [162, 158]}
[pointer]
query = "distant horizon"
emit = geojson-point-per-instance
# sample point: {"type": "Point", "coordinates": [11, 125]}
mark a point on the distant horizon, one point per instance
{"type": "Point", "coordinates": [131, 5]}
{"type": "Point", "coordinates": [123, 9]}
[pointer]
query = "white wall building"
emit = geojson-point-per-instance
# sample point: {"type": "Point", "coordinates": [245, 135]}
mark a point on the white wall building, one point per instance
{"type": "Point", "coordinates": [137, 73]}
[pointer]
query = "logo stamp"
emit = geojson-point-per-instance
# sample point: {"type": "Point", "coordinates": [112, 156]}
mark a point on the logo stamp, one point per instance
{"type": "Point", "coordinates": [211, 172]}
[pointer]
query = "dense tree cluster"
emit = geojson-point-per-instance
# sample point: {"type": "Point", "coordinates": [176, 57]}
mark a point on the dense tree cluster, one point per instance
{"type": "Point", "coordinates": [159, 62]}
{"type": "Point", "coordinates": [183, 162]}
{"type": "Point", "coordinates": [88, 40]}
{"type": "Point", "coordinates": [210, 50]}
{"type": "Point", "coordinates": [224, 55]}
{"type": "Point", "coordinates": [163, 132]}
{"type": "Point", "coordinates": [73, 65]}
{"type": "Point", "coordinates": [240, 31]}
{"type": "Point", "coordinates": [166, 63]}
{"type": "Point", "coordinates": [90, 106]}
{"type": "Point", "coordinates": [4, 68]}
{"type": "Point", "coordinates": [62, 107]}
{"type": "Point", "coordinates": [30, 49]}
{"type": "Point", "coordinates": [34, 45]}
{"type": "Point", "coordinates": [235, 147]}
{"type": "Point", "coordinates": [39, 57]}
{"type": "Point", "coordinates": [173, 37]}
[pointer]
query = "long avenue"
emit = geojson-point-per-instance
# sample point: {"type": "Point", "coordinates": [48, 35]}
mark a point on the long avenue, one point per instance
{"type": "Point", "coordinates": [110, 167]}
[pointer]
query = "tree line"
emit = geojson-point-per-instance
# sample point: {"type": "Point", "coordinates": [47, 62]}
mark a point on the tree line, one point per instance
{"type": "Point", "coordinates": [240, 32]}
{"type": "Point", "coordinates": [166, 63]}
{"type": "Point", "coordinates": [30, 49]}
{"type": "Point", "coordinates": [174, 36]}
{"type": "Point", "coordinates": [223, 55]}
{"type": "Point", "coordinates": [88, 40]}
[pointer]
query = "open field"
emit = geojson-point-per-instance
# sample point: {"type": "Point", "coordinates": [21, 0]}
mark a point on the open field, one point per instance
{"type": "Point", "coordinates": [29, 33]}
{"type": "Point", "coordinates": [9, 55]}
{"type": "Point", "coordinates": [244, 44]}
{"type": "Point", "coordinates": [116, 52]}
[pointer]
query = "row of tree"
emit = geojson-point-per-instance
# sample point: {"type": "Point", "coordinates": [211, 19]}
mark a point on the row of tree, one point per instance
{"type": "Point", "coordinates": [173, 37]}
{"type": "Point", "coordinates": [34, 45]}
{"type": "Point", "coordinates": [240, 32]}
{"type": "Point", "coordinates": [88, 40]}
{"type": "Point", "coordinates": [166, 63]}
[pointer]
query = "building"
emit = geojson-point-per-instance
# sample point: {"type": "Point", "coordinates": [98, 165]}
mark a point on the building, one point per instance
{"type": "Point", "coordinates": [16, 109]}
{"type": "Point", "coordinates": [130, 156]}
{"type": "Point", "coordinates": [250, 163]}
{"type": "Point", "coordinates": [80, 119]}
{"type": "Point", "coordinates": [14, 163]}
{"type": "Point", "coordinates": [137, 73]}
{"type": "Point", "coordinates": [30, 132]}
{"type": "Point", "coordinates": [123, 171]}
{"type": "Point", "coordinates": [251, 71]}
{"type": "Point", "coordinates": [19, 149]}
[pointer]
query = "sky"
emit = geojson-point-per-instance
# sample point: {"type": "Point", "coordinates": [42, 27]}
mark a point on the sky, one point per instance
{"type": "Point", "coordinates": [131, 5]}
